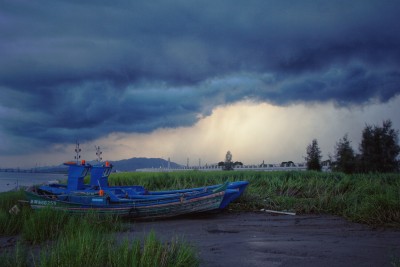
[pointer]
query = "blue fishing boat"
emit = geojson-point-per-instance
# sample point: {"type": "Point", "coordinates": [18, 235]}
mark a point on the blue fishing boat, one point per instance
{"type": "Point", "coordinates": [135, 201]}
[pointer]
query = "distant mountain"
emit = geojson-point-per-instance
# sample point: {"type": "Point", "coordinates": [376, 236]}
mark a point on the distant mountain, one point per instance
{"type": "Point", "coordinates": [125, 165]}
{"type": "Point", "coordinates": [140, 163]}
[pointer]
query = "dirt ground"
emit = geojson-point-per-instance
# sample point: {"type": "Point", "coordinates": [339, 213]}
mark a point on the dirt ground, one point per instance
{"type": "Point", "coordinates": [263, 239]}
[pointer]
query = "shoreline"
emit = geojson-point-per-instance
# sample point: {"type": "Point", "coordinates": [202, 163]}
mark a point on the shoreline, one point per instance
{"type": "Point", "coordinates": [10, 181]}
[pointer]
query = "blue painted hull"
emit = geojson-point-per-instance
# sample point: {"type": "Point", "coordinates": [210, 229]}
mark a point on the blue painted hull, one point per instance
{"type": "Point", "coordinates": [160, 206]}
{"type": "Point", "coordinates": [76, 196]}
{"type": "Point", "coordinates": [234, 190]}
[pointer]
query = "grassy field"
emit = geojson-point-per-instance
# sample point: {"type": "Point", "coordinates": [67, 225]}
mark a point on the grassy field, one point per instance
{"type": "Point", "coordinates": [372, 199]}
{"type": "Point", "coordinates": [87, 241]}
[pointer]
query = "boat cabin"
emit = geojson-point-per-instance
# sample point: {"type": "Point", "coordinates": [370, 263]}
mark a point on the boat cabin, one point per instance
{"type": "Point", "coordinates": [99, 175]}
{"type": "Point", "coordinates": [76, 175]}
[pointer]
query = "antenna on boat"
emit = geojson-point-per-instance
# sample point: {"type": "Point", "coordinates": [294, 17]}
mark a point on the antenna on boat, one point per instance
{"type": "Point", "coordinates": [98, 153]}
{"type": "Point", "coordinates": [77, 151]}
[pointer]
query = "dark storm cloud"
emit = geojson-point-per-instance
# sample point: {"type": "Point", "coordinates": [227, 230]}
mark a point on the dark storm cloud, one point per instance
{"type": "Point", "coordinates": [83, 70]}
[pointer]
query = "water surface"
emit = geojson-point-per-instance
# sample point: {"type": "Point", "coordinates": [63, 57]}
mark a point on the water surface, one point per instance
{"type": "Point", "coordinates": [12, 180]}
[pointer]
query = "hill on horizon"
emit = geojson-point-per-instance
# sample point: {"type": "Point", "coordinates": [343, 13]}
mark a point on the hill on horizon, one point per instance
{"type": "Point", "coordinates": [133, 164]}
{"type": "Point", "coordinates": [125, 165]}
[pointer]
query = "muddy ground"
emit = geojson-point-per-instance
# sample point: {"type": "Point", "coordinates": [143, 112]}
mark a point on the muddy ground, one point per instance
{"type": "Point", "coordinates": [263, 239]}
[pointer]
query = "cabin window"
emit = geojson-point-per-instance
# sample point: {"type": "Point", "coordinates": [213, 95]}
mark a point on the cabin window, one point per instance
{"type": "Point", "coordinates": [84, 172]}
{"type": "Point", "coordinates": [107, 172]}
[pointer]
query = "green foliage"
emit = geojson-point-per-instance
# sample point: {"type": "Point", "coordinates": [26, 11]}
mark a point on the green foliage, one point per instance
{"type": "Point", "coordinates": [367, 198]}
{"type": "Point", "coordinates": [379, 148]}
{"type": "Point", "coordinates": [313, 156]}
{"type": "Point", "coordinates": [166, 181]}
{"type": "Point", "coordinates": [372, 199]}
{"type": "Point", "coordinates": [43, 225]}
{"type": "Point", "coordinates": [12, 223]}
{"type": "Point", "coordinates": [15, 258]}
{"type": "Point", "coordinates": [9, 199]}
{"type": "Point", "coordinates": [394, 260]}
{"type": "Point", "coordinates": [73, 240]}
{"type": "Point", "coordinates": [78, 245]}
{"type": "Point", "coordinates": [345, 159]}
{"type": "Point", "coordinates": [361, 198]}
{"type": "Point", "coordinates": [88, 246]}
{"type": "Point", "coordinates": [37, 228]}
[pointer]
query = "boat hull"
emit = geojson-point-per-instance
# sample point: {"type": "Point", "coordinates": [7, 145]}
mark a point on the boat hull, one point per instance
{"type": "Point", "coordinates": [234, 191]}
{"type": "Point", "coordinates": [163, 206]}
{"type": "Point", "coordinates": [135, 200]}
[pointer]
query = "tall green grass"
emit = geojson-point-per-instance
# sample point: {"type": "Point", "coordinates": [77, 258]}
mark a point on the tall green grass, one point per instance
{"type": "Point", "coordinates": [47, 224]}
{"type": "Point", "coordinates": [10, 223]}
{"type": "Point", "coordinates": [372, 199]}
{"type": "Point", "coordinates": [85, 245]}
{"type": "Point", "coordinates": [91, 248]}
{"type": "Point", "coordinates": [366, 198]}
{"type": "Point", "coordinates": [15, 258]}
{"type": "Point", "coordinates": [79, 240]}
{"type": "Point", "coordinates": [43, 225]}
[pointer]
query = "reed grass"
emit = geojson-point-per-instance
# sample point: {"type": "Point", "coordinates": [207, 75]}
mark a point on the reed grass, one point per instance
{"type": "Point", "coordinates": [15, 258]}
{"type": "Point", "coordinates": [395, 260]}
{"type": "Point", "coordinates": [43, 225]}
{"type": "Point", "coordinates": [372, 199]}
{"type": "Point", "coordinates": [88, 246]}
{"type": "Point", "coordinates": [174, 253]}
{"type": "Point", "coordinates": [37, 228]}
{"type": "Point", "coordinates": [12, 223]}
{"type": "Point", "coordinates": [79, 240]}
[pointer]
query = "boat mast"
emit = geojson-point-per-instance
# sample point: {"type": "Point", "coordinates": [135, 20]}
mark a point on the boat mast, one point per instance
{"type": "Point", "coordinates": [98, 153]}
{"type": "Point", "coordinates": [77, 151]}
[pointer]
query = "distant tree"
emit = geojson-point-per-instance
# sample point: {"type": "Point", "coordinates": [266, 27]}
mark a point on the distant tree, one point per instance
{"type": "Point", "coordinates": [344, 158]}
{"type": "Point", "coordinates": [287, 164]}
{"type": "Point", "coordinates": [221, 164]}
{"type": "Point", "coordinates": [228, 165]}
{"type": "Point", "coordinates": [379, 148]}
{"type": "Point", "coordinates": [237, 163]}
{"type": "Point", "coordinates": [313, 158]}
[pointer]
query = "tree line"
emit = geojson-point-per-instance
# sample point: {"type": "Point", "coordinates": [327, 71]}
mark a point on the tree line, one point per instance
{"type": "Point", "coordinates": [379, 151]}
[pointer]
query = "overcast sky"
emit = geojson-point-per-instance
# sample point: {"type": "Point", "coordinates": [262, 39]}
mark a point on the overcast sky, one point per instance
{"type": "Point", "coordinates": [193, 79]}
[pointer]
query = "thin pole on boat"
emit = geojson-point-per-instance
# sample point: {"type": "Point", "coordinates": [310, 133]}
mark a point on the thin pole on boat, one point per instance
{"type": "Point", "coordinates": [98, 153]}
{"type": "Point", "coordinates": [99, 184]}
{"type": "Point", "coordinates": [101, 191]}
{"type": "Point", "coordinates": [77, 151]}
